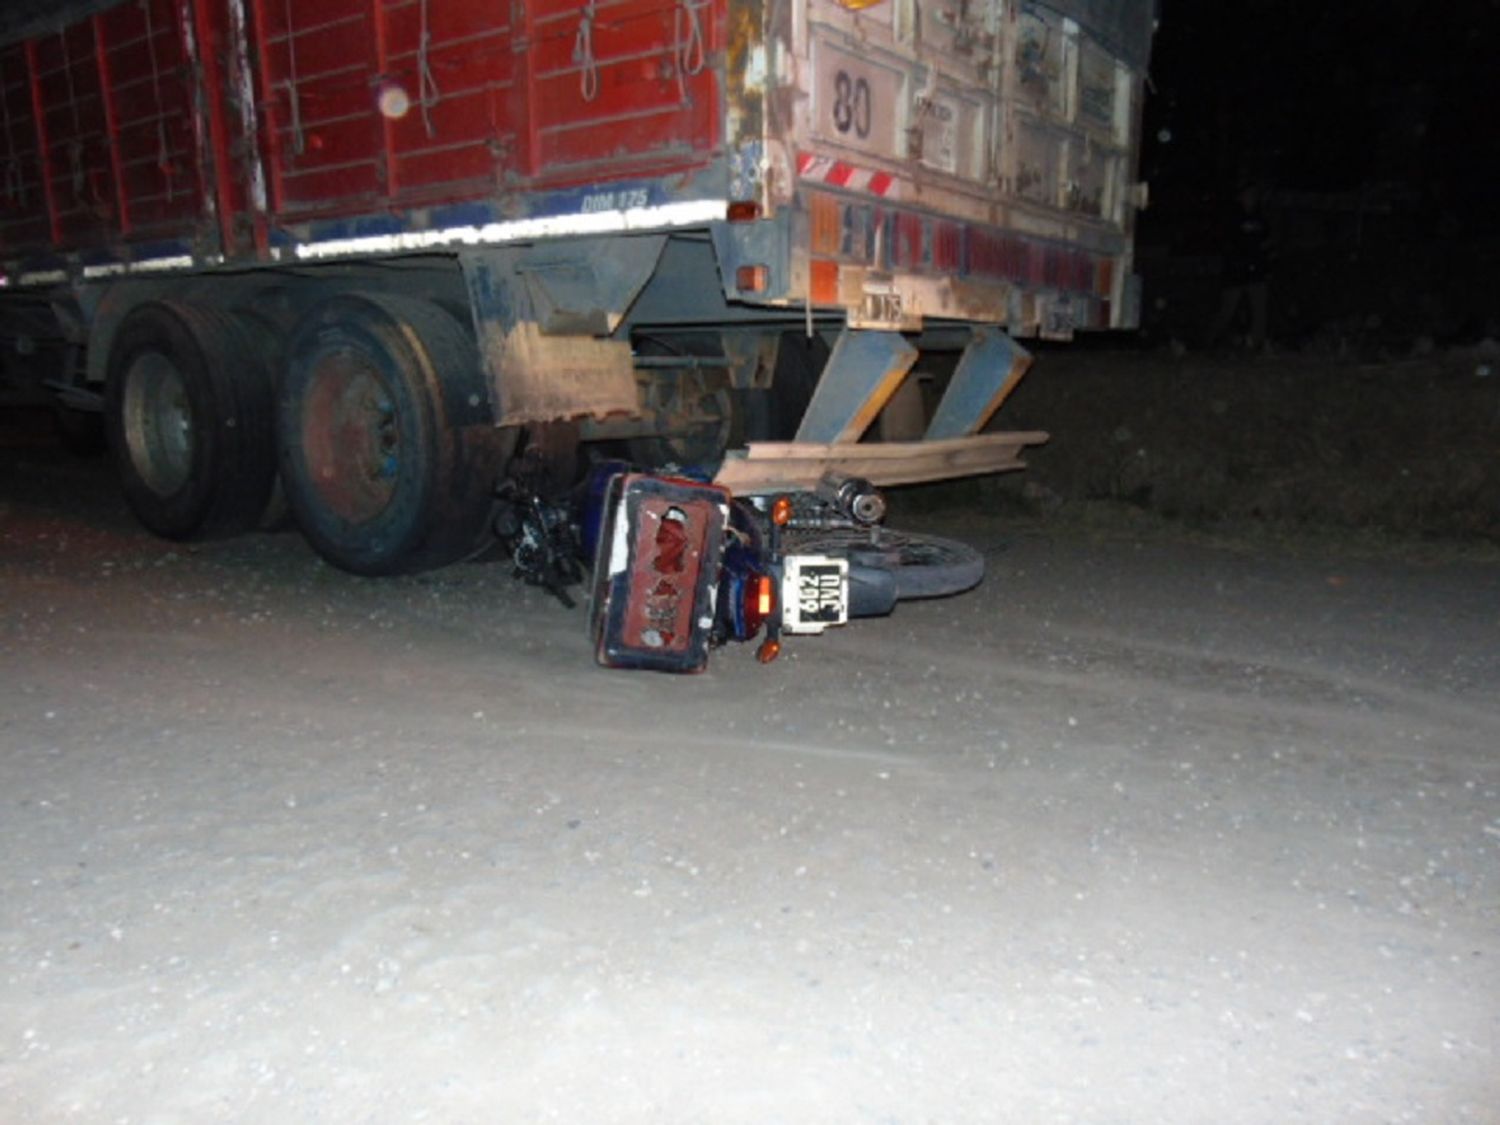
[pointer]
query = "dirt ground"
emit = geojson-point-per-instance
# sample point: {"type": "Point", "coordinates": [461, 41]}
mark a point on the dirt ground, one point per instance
{"type": "Point", "coordinates": [1147, 828]}
{"type": "Point", "coordinates": [1408, 446]}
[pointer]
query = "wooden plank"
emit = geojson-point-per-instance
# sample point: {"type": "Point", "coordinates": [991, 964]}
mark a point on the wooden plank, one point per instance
{"type": "Point", "coordinates": [772, 466]}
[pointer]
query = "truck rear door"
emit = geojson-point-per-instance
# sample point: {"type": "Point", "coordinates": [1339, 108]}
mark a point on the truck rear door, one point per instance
{"type": "Point", "coordinates": [991, 141]}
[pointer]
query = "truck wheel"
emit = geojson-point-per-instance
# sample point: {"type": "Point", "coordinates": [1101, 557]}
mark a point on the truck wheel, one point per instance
{"type": "Point", "coordinates": [924, 566]}
{"type": "Point", "coordinates": [188, 416]}
{"type": "Point", "coordinates": [379, 475]}
{"type": "Point", "coordinates": [699, 446]}
{"type": "Point", "coordinates": [698, 402]}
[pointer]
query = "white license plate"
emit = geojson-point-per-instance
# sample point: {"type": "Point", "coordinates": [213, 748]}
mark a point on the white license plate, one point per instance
{"type": "Point", "coordinates": [814, 593]}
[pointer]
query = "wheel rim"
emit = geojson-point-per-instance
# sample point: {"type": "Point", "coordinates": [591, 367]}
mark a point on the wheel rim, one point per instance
{"type": "Point", "coordinates": [880, 546]}
{"type": "Point", "coordinates": [158, 423]}
{"type": "Point", "coordinates": [351, 437]}
{"type": "Point", "coordinates": [924, 566]}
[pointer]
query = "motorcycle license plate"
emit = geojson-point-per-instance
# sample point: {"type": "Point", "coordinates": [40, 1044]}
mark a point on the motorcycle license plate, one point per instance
{"type": "Point", "coordinates": [814, 593]}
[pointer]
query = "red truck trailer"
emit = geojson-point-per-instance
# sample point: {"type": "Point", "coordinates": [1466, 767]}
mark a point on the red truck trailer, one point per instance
{"type": "Point", "coordinates": [357, 250]}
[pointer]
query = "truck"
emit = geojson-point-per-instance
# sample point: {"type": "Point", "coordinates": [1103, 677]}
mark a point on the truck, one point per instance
{"type": "Point", "coordinates": [406, 269]}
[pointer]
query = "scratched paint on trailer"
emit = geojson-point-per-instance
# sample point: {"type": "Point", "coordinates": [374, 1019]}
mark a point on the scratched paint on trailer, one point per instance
{"type": "Point", "coordinates": [23, 215]}
{"type": "Point", "coordinates": [323, 133]}
{"type": "Point", "coordinates": [78, 174]}
{"type": "Point", "coordinates": [400, 103]}
{"type": "Point", "coordinates": [151, 94]}
{"type": "Point", "coordinates": [639, 84]}
{"type": "Point", "coordinates": [114, 150]}
{"type": "Point", "coordinates": [447, 137]}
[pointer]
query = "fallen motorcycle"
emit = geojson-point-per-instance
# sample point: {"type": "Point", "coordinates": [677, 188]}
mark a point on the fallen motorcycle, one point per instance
{"type": "Point", "coordinates": [678, 567]}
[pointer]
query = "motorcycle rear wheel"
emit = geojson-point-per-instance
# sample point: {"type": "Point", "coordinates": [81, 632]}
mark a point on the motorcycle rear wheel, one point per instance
{"type": "Point", "coordinates": [924, 566]}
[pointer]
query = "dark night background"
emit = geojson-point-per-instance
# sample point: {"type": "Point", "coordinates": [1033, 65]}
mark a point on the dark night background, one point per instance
{"type": "Point", "coordinates": [1370, 131]}
{"type": "Point", "coordinates": [1370, 127]}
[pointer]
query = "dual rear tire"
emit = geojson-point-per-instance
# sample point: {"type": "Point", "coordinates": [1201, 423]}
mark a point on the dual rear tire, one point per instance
{"type": "Point", "coordinates": [378, 428]}
{"type": "Point", "coordinates": [389, 465]}
{"type": "Point", "coordinates": [188, 419]}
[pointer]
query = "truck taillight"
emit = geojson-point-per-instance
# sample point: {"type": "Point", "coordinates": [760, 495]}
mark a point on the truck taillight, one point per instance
{"type": "Point", "coordinates": [824, 282]}
{"type": "Point", "coordinates": [825, 221]}
{"type": "Point", "coordinates": [752, 279]}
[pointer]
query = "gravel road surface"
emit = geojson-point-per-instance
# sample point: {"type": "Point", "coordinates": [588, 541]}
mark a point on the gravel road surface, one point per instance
{"type": "Point", "coordinates": [1145, 829]}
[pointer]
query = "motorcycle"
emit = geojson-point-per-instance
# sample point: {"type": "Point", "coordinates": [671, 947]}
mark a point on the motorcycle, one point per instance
{"type": "Point", "coordinates": [678, 566]}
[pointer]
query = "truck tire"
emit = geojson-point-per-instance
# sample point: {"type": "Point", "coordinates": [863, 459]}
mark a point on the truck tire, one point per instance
{"type": "Point", "coordinates": [705, 396]}
{"type": "Point", "coordinates": [188, 417]}
{"type": "Point", "coordinates": [380, 474]}
{"type": "Point", "coordinates": [923, 566]}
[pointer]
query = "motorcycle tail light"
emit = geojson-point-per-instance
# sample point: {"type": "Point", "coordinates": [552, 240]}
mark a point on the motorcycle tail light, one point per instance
{"type": "Point", "coordinates": [759, 602]}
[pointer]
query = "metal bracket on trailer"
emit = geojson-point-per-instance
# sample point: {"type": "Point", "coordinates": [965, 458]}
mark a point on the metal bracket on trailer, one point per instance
{"type": "Point", "coordinates": [988, 371]}
{"type": "Point", "coordinates": [867, 368]}
{"type": "Point", "coordinates": [863, 371]}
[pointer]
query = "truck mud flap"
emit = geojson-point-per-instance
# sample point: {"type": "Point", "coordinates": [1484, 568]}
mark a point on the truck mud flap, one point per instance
{"type": "Point", "coordinates": [656, 573]}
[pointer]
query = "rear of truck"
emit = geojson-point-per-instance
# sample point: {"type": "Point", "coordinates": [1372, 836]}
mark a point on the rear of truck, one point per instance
{"type": "Point", "coordinates": [967, 161]}
{"type": "Point", "coordinates": [962, 170]}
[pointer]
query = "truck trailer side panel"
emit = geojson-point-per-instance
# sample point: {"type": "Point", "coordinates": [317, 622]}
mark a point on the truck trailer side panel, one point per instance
{"type": "Point", "coordinates": [918, 162]}
{"type": "Point", "coordinates": [220, 128]}
{"type": "Point", "coordinates": [399, 104]}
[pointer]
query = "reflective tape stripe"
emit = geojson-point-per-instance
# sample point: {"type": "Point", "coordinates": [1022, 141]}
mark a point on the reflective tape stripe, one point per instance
{"type": "Point", "coordinates": [691, 213]}
{"type": "Point", "coordinates": [841, 174]}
